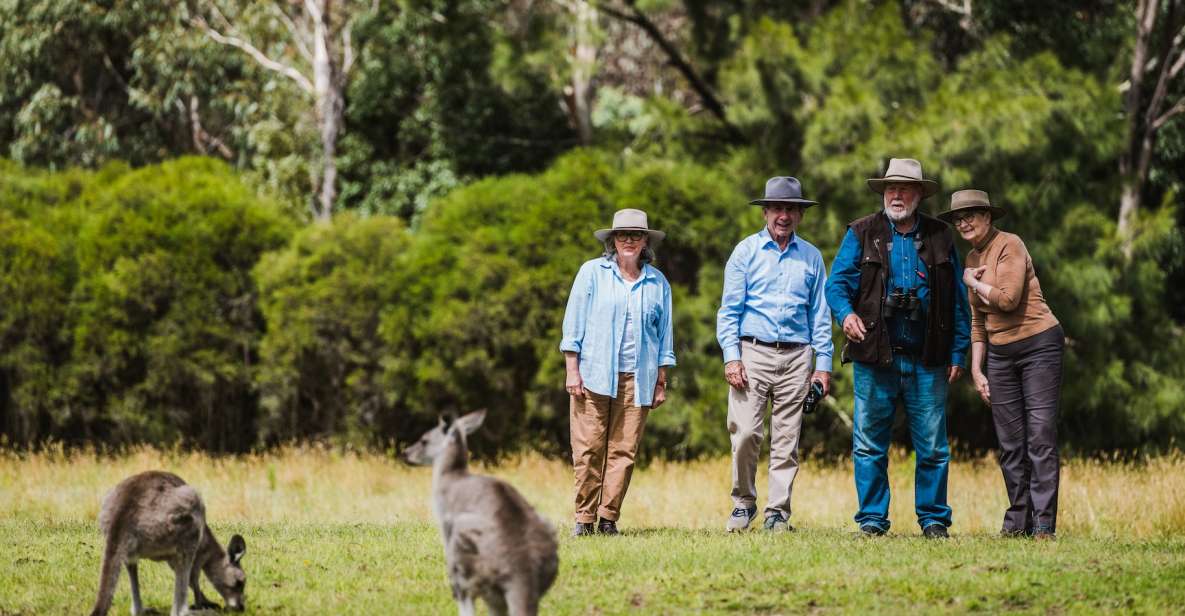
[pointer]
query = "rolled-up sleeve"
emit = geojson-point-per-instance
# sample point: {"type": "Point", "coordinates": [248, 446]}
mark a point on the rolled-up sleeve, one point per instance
{"type": "Point", "coordinates": [821, 319]}
{"type": "Point", "coordinates": [666, 329]}
{"type": "Point", "coordinates": [732, 303]}
{"type": "Point", "coordinates": [576, 315]}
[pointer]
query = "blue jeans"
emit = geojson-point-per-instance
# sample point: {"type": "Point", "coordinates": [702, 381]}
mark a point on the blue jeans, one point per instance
{"type": "Point", "coordinates": [922, 390]}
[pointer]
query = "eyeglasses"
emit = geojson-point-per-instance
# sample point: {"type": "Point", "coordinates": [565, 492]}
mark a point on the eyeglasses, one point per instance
{"type": "Point", "coordinates": [959, 219]}
{"type": "Point", "coordinates": [630, 236]}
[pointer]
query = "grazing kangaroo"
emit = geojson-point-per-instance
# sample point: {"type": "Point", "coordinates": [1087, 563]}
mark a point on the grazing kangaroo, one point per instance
{"type": "Point", "coordinates": [495, 545]}
{"type": "Point", "coordinates": [155, 515]}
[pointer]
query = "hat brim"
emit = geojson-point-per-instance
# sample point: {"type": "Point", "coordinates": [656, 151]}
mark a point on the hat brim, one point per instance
{"type": "Point", "coordinates": [997, 212]}
{"type": "Point", "coordinates": [656, 236]}
{"type": "Point", "coordinates": [929, 187]}
{"type": "Point", "coordinates": [802, 202]}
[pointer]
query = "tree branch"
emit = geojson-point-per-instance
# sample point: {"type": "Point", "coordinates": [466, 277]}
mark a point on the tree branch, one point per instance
{"type": "Point", "coordinates": [255, 53]}
{"type": "Point", "coordinates": [676, 59]}
{"type": "Point", "coordinates": [1166, 116]}
{"type": "Point", "coordinates": [300, 36]}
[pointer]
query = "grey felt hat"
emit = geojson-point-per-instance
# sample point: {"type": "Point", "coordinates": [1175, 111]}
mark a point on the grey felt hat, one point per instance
{"type": "Point", "coordinates": [781, 190]}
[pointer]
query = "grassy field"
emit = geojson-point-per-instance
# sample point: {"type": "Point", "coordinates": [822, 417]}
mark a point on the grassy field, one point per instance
{"type": "Point", "coordinates": [332, 533]}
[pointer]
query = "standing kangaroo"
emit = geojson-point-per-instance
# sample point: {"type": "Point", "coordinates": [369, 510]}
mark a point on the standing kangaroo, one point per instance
{"type": "Point", "coordinates": [155, 515]}
{"type": "Point", "coordinates": [495, 545]}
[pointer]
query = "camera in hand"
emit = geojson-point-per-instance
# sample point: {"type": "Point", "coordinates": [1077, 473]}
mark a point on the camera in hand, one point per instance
{"type": "Point", "coordinates": [903, 304]}
{"type": "Point", "coordinates": [813, 396]}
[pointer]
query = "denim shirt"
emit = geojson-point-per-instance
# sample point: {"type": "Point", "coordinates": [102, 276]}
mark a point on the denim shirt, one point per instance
{"type": "Point", "coordinates": [775, 295]}
{"type": "Point", "coordinates": [594, 324]}
{"type": "Point", "coordinates": [906, 271]}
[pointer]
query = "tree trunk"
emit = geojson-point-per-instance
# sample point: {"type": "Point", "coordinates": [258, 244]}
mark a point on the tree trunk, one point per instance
{"type": "Point", "coordinates": [328, 95]}
{"type": "Point", "coordinates": [583, 67]}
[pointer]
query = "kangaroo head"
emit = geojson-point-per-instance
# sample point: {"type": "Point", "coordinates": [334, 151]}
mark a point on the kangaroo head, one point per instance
{"type": "Point", "coordinates": [434, 442]}
{"type": "Point", "coordinates": [226, 573]}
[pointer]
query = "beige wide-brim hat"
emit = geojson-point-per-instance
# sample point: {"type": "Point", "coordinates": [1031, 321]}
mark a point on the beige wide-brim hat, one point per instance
{"type": "Point", "coordinates": [970, 199]}
{"type": "Point", "coordinates": [904, 171]}
{"type": "Point", "coordinates": [630, 219]}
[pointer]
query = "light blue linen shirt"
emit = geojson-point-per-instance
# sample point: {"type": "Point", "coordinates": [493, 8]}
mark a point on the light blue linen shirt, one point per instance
{"type": "Point", "coordinates": [775, 295]}
{"type": "Point", "coordinates": [594, 324]}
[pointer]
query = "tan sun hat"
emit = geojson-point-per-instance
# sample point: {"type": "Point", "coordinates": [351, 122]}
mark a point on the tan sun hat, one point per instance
{"type": "Point", "coordinates": [630, 219]}
{"type": "Point", "coordinates": [970, 199]}
{"type": "Point", "coordinates": [904, 171]}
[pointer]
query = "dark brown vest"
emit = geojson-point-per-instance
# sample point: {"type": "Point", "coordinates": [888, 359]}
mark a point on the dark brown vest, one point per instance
{"type": "Point", "coordinates": [875, 235]}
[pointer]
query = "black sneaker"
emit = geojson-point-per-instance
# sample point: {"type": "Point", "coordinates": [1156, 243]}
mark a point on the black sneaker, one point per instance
{"type": "Point", "coordinates": [871, 530]}
{"type": "Point", "coordinates": [935, 531]}
{"type": "Point", "coordinates": [740, 519]}
{"type": "Point", "coordinates": [583, 529]}
{"type": "Point", "coordinates": [607, 527]}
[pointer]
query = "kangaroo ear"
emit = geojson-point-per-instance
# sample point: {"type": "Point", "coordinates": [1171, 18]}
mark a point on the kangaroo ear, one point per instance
{"type": "Point", "coordinates": [235, 549]}
{"type": "Point", "coordinates": [471, 422]}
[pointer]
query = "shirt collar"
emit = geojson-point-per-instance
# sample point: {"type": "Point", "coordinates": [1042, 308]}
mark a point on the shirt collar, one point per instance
{"type": "Point", "coordinates": [917, 221]}
{"type": "Point", "coordinates": [768, 240]}
{"type": "Point", "coordinates": [611, 263]}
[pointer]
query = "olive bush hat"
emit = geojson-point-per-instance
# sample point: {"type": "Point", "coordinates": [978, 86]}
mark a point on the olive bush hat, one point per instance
{"type": "Point", "coordinates": [630, 219]}
{"type": "Point", "coordinates": [967, 200]}
{"type": "Point", "coordinates": [904, 171]}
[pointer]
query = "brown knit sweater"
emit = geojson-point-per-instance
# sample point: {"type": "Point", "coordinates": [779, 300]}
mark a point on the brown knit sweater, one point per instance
{"type": "Point", "coordinates": [1015, 308]}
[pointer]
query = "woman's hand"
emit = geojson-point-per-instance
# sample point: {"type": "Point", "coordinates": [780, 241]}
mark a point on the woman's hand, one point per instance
{"type": "Point", "coordinates": [660, 394]}
{"type": "Point", "coordinates": [981, 386]}
{"type": "Point", "coordinates": [971, 275]}
{"type": "Point", "coordinates": [575, 384]}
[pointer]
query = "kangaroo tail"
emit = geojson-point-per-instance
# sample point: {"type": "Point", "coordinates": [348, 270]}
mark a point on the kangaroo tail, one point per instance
{"type": "Point", "coordinates": [108, 576]}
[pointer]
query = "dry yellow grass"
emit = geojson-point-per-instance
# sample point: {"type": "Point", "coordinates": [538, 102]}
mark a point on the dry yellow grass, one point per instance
{"type": "Point", "coordinates": [322, 485]}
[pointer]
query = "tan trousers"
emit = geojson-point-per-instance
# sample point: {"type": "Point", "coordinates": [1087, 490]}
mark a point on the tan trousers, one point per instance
{"type": "Point", "coordinates": [605, 436]}
{"type": "Point", "coordinates": [780, 377]}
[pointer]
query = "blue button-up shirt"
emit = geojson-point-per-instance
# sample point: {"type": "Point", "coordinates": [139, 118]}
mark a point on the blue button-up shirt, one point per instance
{"type": "Point", "coordinates": [594, 324]}
{"type": "Point", "coordinates": [906, 271]}
{"type": "Point", "coordinates": [775, 295]}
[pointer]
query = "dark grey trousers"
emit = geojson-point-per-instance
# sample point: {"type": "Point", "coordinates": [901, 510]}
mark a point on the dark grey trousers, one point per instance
{"type": "Point", "coordinates": [1025, 379]}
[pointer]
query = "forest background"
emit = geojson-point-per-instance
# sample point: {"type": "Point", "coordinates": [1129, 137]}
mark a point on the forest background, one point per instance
{"type": "Point", "coordinates": [227, 225]}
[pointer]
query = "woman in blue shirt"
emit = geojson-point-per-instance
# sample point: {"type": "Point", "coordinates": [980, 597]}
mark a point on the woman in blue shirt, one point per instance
{"type": "Point", "coordinates": [617, 346]}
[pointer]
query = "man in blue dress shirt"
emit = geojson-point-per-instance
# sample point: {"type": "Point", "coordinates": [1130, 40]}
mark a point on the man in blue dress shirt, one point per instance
{"type": "Point", "coordinates": [772, 325]}
{"type": "Point", "coordinates": [897, 291]}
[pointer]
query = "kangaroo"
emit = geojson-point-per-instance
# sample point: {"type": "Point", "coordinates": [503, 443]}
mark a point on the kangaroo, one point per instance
{"type": "Point", "coordinates": [155, 515]}
{"type": "Point", "coordinates": [495, 545]}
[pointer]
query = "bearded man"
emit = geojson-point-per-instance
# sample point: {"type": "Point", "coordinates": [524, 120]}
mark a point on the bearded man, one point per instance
{"type": "Point", "coordinates": [896, 290]}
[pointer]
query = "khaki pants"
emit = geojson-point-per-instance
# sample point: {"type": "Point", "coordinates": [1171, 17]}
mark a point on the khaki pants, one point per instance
{"type": "Point", "coordinates": [780, 377]}
{"type": "Point", "coordinates": [605, 436]}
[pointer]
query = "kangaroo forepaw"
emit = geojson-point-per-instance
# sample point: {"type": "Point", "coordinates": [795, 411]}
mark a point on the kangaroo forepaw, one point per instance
{"type": "Point", "coordinates": [204, 604]}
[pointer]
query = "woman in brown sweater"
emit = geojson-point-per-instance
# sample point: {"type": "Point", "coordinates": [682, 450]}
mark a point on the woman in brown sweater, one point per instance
{"type": "Point", "coordinates": [1023, 342]}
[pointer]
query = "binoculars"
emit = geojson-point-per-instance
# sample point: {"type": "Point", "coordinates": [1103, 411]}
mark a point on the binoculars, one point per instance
{"type": "Point", "coordinates": [903, 304]}
{"type": "Point", "coordinates": [813, 396]}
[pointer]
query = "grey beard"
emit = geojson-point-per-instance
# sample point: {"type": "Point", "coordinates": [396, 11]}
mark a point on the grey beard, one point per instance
{"type": "Point", "coordinates": [900, 217]}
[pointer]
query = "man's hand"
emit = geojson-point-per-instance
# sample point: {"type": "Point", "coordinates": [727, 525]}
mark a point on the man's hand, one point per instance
{"type": "Point", "coordinates": [824, 378]}
{"type": "Point", "coordinates": [953, 373]}
{"type": "Point", "coordinates": [853, 328]}
{"type": "Point", "coordinates": [981, 386]}
{"type": "Point", "coordinates": [734, 373]}
{"type": "Point", "coordinates": [575, 384]}
{"type": "Point", "coordinates": [660, 394]}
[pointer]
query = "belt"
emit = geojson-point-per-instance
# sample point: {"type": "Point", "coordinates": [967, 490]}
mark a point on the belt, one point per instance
{"type": "Point", "coordinates": [774, 345]}
{"type": "Point", "coordinates": [900, 350]}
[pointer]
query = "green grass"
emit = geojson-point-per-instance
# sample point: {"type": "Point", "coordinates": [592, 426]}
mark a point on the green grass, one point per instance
{"type": "Point", "coordinates": [373, 569]}
{"type": "Point", "coordinates": [333, 533]}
